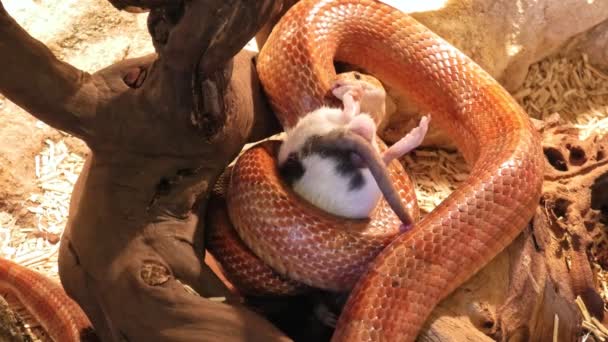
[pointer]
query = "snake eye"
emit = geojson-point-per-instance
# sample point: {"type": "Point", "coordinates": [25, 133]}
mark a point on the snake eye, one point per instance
{"type": "Point", "coordinates": [357, 76]}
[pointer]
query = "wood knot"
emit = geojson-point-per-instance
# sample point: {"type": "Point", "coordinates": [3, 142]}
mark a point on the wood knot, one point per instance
{"type": "Point", "coordinates": [154, 274]}
{"type": "Point", "coordinates": [135, 77]}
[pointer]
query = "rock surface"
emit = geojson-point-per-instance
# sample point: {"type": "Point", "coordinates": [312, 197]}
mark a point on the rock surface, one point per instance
{"type": "Point", "coordinates": [505, 37]}
{"type": "Point", "coordinates": [594, 43]}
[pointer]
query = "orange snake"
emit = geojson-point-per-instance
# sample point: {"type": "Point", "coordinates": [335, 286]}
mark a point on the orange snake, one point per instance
{"type": "Point", "coordinates": [404, 282]}
{"type": "Point", "coordinates": [47, 302]}
{"type": "Point", "coordinates": [407, 279]}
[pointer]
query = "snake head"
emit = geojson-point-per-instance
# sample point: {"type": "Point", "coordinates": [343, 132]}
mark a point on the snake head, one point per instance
{"type": "Point", "coordinates": [366, 89]}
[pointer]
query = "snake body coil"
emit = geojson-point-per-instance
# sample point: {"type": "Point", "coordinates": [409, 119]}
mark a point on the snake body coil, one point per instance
{"type": "Point", "coordinates": [61, 317]}
{"type": "Point", "coordinates": [418, 269]}
{"type": "Point", "coordinates": [405, 276]}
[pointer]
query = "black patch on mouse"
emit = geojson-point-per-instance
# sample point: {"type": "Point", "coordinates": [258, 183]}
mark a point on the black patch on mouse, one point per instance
{"type": "Point", "coordinates": [357, 161]}
{"type": "Point", "coordinates": [356, 181]}
{"type": "Point", "coordinates": [292, 169]}
{"type": "Point", "coordinates": [346, 165]}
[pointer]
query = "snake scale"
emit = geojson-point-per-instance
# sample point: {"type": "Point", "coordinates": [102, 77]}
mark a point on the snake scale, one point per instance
{"type": "Point", "coordinates": [402, 283]}
{"type": "Point", "coordinates": [46, 301]}
{"type": "Point", "coordinates": [397, 286]}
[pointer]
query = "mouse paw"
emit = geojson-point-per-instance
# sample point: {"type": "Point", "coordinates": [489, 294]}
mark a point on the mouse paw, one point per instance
{"type": "Point", "coordinates": [341, 88]}
{"type": "Point", "coordinates": [370, 95]}
{"type": "Point", "coordinates": [323, 314]}
{"type": "Point", "coordinates": [409, 142]}
{"type": "Point", "coordinates": [351, 95]}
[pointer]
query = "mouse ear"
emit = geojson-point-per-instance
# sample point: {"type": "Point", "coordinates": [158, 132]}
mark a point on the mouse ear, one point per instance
{"type": "Point", "coordinates": [364, 126]}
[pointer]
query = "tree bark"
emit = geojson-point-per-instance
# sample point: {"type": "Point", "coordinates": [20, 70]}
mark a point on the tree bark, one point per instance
{"type": "Point", "coordinates": [161, 129]}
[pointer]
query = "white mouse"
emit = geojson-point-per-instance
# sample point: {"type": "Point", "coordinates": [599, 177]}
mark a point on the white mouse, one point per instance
{"type": "Point", "coordinates": [331, 158]}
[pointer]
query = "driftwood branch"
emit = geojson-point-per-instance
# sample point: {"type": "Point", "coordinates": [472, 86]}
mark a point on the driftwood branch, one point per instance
{"type": "Point", "coordinates": [161, 128]}
{"type": "Point", "coordinates": [36, 80]}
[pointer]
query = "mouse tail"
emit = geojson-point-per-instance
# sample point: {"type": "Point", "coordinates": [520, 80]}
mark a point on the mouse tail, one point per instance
{"type": "Point", "coordinates": [362, 149]}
